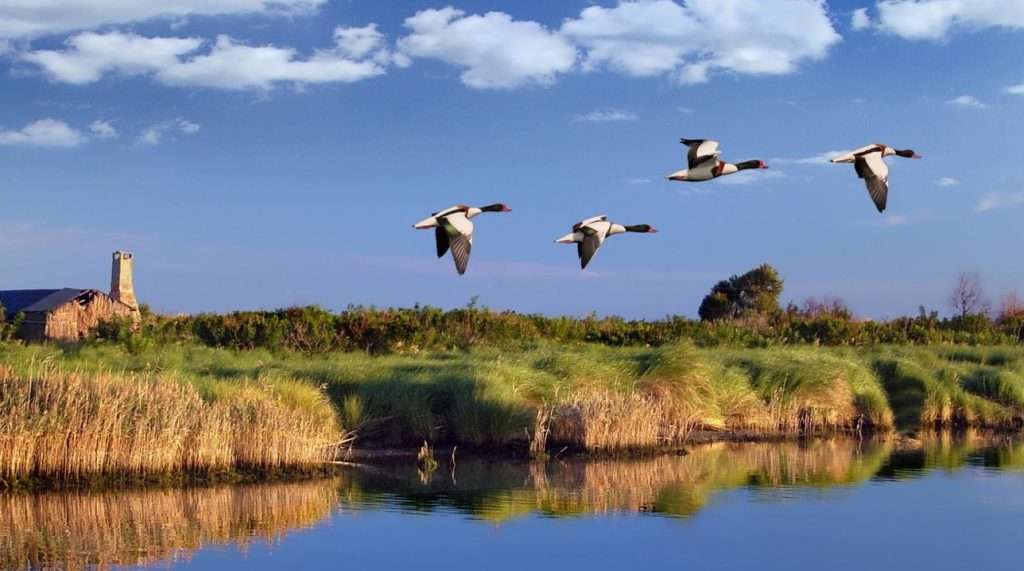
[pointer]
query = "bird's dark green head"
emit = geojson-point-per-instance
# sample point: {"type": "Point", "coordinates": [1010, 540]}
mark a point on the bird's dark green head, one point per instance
{"type": "Point", "coordinates": [641, 228]}
{"type": "Point", "coordinates": [500, 207]}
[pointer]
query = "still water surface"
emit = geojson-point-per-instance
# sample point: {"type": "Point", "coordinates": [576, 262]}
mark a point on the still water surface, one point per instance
{"type": "Point", "coordinates": [956, 504]}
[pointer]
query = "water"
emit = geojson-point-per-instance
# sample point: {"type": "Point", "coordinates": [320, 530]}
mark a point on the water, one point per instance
{"type": "Point", "coordinates": [956, 504]}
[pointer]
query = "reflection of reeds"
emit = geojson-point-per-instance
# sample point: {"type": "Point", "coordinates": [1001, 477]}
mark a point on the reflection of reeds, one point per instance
{"type": "Point", "coordinates": [80, 530]}
{"type": "Point", "coordinates": [69, 425]}
{"type": "Point", "coordinates": [671, 485]}
{"type": "Point", "coordinates": [682, 485]}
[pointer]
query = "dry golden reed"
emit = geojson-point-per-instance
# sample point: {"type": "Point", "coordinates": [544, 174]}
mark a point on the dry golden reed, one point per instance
{"type": "Point", "coordinates": [68, 425]}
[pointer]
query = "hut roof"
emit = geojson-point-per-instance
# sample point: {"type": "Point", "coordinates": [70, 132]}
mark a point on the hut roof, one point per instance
{"type": "Point", "coordinates": [18, 300]}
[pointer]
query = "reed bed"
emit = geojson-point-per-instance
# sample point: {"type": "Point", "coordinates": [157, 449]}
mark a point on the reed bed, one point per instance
{"type": "Point", "coordinates": [67, 426]}
{"type": "Point", "coordinates": [99, 530]}
{"type": "Point", "coordinates": [586, 397]}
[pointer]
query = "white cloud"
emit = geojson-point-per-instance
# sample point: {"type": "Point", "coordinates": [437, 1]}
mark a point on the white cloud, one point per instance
{"type": "Point", "coordinates": [358, 53]}
{"type": "Point", "coordinates": [935, 19]}
{"type": "Point", "coordinates": [947, 181]}
{"type": "Point", "coordinates": [188, 127]}
{"type": "Point", "coordinates": [154, 134]}
{"type": "Point", "coordinates": [1015, 89]}
{"type": "Point", "coordinates": [860, 20]}
{"type": "Point", "coordinates": [692, 40]}
{"type": "Point", "coordinates": [103, 129]}
{"type": "Point", "coordinates": [44, 133]}
{"type": "Point", "coordinates": [639, 181]}
{"type": "Point", "coordinates": [29, 18]}
{"type": "Point", "coordinates": [5, 46]}
{"type": "Point", "coordinates": [967, 102]}
{"type": "Point", "coordinates": [995, 200]}
{"type": "Point", "coordinates": [606, 116]}
{"type": "Point", "coordinates": [819, 159]}
{"type": "Point", "coordinates": [88, 56]}
{"type": "Point", "coordinates": [495, 51]}
{"type": "Point", "coordinates": [895, 220]}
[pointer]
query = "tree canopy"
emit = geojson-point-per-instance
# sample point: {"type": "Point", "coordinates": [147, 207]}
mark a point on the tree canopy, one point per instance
{"type": "Point", "coordinates": [755, 293]}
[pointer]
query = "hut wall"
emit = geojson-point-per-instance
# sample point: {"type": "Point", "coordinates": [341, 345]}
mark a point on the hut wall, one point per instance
{"type": "Point", "coordinates": [75, 319]}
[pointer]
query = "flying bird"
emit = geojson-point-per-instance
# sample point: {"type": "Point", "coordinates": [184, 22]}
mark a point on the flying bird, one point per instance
{"type": "Point", "coordinates": [702, 162]}
{"type": "Point", "coordinates": [453, 229]}
{"type": "Point", "coordinates": [869, 162]}
{"type": "Point", "coordinates": [589, 234]}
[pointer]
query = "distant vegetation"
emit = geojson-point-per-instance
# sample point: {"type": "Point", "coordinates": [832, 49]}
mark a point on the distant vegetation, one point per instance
{"type": "Point", "coordinates": [742, 311]}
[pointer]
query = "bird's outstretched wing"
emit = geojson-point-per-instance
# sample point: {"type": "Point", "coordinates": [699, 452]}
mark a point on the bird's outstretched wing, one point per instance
{"type": "Point", "coordinates": [441, 236]}
{"type": "Point", "coordinates": [587, 248]}
{"type": "Point", "coordinates": [872, 168]}
{"type": "Point", "coordinates": [459, 231]}
{"type": "Point", "coordinates": [461, 246]}
{"type": "Point", "coordinates": [450, 209]}
{"type": "Point", "coordinates": [576, 227]}
{"type": "Point", "coordinates": [701, 150]}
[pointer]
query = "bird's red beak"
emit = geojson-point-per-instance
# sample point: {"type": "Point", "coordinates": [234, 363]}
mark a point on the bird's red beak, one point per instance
{"type": "Point", "coordinates": [505, 208]}
{"type": "Point", "coordinates": [652, 231]}
{"type": "Point", "coordinates": [917, 156]}
{"type": "Point", "coordinates": [764, 165]}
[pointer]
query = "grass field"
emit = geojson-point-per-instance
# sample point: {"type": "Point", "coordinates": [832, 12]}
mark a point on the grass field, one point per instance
{"type": "Point", "coordinates": [256, 408]}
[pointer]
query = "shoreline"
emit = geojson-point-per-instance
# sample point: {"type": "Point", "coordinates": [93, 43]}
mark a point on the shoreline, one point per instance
{"type": "Point", "coordinates": [362, 458]}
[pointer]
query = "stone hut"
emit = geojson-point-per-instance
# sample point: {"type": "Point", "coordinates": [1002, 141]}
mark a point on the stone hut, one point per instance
{"type": "Point", "coordinates": [70, 314]}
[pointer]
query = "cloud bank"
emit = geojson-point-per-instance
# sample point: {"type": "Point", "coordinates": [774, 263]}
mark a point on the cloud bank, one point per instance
{"type": "Point", "coordinates": [687, 42]}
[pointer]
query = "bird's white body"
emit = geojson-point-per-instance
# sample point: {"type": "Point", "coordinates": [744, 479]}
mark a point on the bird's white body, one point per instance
{"type": "Point", "coordinates": [453, 229]}
{"type": "Point", "coordinates": [869, 162]}
{"type": "Point", "coordinates": [703, 163]}
{"type": "Point", "coordinates": [589, 235]}
{"type": "Point", "coordinates": [459, 215]}
{"type": "Point", "coordinates": [597, 226]}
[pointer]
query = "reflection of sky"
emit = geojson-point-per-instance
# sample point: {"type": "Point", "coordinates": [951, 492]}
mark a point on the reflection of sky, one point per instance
{"type": "Point", "coordinates": [940, 521]}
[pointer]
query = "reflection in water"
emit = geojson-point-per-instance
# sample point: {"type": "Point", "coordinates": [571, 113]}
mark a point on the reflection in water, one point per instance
{"type": "Point", "coordinates": [76, 530]}
{"type": "Point", "coordinates": [668, 485]}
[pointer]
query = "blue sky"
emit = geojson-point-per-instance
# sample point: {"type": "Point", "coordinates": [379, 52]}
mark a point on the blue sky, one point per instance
{"type": "Point", "coordinates": [285, 162]}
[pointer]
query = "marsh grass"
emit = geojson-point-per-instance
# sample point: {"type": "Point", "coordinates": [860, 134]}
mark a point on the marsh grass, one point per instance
{"type": "Point", "coordinates": [958, 388]}
{"type": "Point", "coordinates": [585, 397]}
{"type": "Point", "coordinates": [64, 425]}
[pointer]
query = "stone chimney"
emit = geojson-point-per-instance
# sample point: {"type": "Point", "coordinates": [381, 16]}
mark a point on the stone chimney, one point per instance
{"type": "Point", "coordinates": [121, 285]}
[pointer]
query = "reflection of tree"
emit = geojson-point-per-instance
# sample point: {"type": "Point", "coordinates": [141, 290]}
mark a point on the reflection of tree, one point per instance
{"type": "Point", "coordinates": [80, 530]}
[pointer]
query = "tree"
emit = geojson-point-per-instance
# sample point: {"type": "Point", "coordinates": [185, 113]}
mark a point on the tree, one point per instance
{"type": "Point", "coordinates": [968, 297]}
{"type": "Point", "coordinates": [755, 293]}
